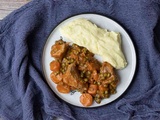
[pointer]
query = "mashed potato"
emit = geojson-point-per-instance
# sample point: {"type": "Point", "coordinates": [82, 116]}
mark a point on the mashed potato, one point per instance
{"type": "Point", "coordinates": [97, 40]}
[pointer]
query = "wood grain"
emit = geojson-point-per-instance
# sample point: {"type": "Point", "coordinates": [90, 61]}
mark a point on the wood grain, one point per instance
{"type": "Point", "coordinates": [7, 6]}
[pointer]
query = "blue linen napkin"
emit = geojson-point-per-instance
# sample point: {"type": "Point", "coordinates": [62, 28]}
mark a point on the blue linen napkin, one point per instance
{"type": "Point", "coordinates": [24, 94]}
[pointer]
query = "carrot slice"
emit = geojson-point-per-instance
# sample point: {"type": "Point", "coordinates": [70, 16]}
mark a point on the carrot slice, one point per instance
{"type": "Point", "coordinates": [54, 66]}
{"type": "Point", "coordinates": [56, 78]}
{"type": "Point", "coordinates": [63, 88]}
{"type": "Point", "coordinates": [92, 89]}
{"type": "Point", "coordinates": [86, 99]}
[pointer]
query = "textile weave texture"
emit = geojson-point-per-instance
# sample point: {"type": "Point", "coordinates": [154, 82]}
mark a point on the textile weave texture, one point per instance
{"type": "Point", "coordinates": [24, 93]}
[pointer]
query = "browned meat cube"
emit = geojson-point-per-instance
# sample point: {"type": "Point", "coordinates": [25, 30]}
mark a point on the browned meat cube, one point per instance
{"type": "Point", "coordinates": [93, 65]}
{"type": "Point", "coordinates": [59, 49]}
{"type": "Point", "coordinates": [72, 78]}
{"type": "Point", "coordinates": [106, 67]}
{"type": "Point", "coordinates": [107, 74]}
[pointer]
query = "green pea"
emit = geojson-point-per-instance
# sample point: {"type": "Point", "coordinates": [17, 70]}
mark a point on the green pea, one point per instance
{"type": "Point", "coordinates": [105, 85]}
{"type": "Point", "coordinates": [97, 96]}
{"type": "Point", "coordinates": [85, 79]}
{"type": "Point", "coordinates": [108, 75]}
{"type": "Point", "coordinates": [101, 75]}
{"type": "Point", "coordinates": [98, 100]}
{"type": "Point", "coordinates": [56, 73]}
{"type": "Point", "coordinates": [98, 83]}
{"type": "Point", "coordinates": [94, 82]}
{"type": "Point", "coordinates": [63, 64]}
{"type": "Point", "coordinates": [82, 75]}
{"type": "Point", "coordinates": [89, 72]}
{"type": "Point", "coordinates": [106, 92]}
{"type": "Point", "coordinates": [105, 74]}
{"type": "Point", "coordinates": [72, 60]}
{"type": "Point", "coordinates": [107, 96]}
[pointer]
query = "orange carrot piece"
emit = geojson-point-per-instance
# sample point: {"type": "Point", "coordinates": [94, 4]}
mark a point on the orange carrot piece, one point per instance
{"type": "Point", "coordinates": [63, 88]}
{"type": "Point", "coordinates": [86, 99]}
{"type": "Point", "coordinates": [56, 78]}
{"type": "Point", "coordinates": [92, 89]}
{"type": "Point", "coordinates": [54, 66]}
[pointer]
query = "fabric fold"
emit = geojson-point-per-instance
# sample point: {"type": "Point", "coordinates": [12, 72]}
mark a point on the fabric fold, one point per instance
{"type": "Point", "coordinates": [24, 92]}
{"type": "Point", "coordinates": [142, 107]}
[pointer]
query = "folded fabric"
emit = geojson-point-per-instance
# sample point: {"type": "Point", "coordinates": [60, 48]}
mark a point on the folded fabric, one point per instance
{"type": "Point", "coordinates": [24, 93]}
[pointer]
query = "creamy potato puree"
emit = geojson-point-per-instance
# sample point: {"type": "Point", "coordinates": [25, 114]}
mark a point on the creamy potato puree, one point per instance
{"type": "Point", "coordinates": [97, 40]}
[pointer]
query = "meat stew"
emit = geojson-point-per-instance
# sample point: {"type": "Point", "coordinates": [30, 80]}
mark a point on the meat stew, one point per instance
{"type": "Point", "coordinates": [75, 68]}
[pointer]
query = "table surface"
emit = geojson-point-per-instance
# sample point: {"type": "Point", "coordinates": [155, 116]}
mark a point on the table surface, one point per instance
{"type": "Point", "coordinates": [7, 6]}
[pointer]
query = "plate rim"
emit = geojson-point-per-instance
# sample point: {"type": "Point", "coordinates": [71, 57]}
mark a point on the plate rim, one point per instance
{"type": "Point", "coordinates": [130, 42]}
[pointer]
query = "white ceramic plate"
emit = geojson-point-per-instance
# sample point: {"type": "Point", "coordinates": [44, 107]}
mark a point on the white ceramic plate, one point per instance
{"type": "Point", "coordinates": [125, 75]}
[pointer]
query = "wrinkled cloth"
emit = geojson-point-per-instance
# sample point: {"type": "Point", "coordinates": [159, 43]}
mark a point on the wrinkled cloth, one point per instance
{"type": "Point", "coordinates": [24, 93]}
